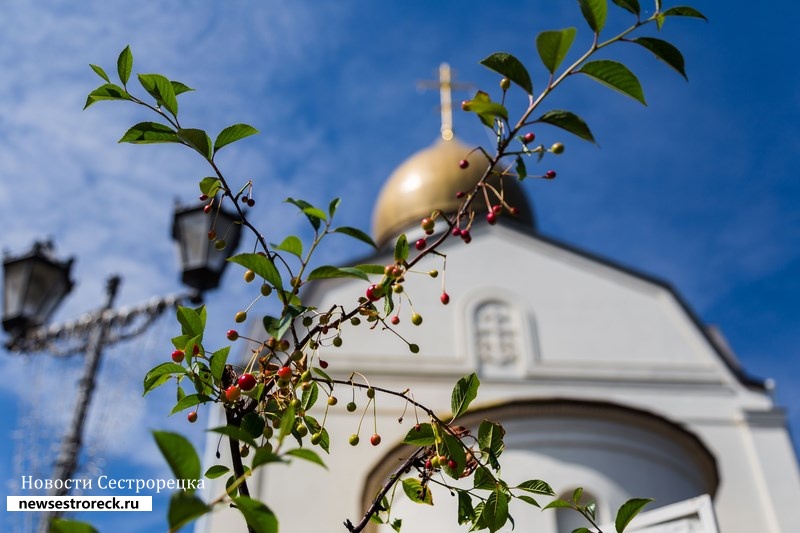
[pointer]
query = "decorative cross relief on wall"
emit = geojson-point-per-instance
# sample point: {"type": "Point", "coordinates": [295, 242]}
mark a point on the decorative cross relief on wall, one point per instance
{"type": "Point", "coordinates": [497, 333]}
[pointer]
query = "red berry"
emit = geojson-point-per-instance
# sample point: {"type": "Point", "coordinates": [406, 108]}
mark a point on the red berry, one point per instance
{"type": "Point", "coordinates": [395, 320]}
{"type": "Point", "coordinates": [323, 364]}
{"type": "Point", "coordinates": [232, 393]}
{"type": "Point", "coordinates": [195, 349]}
{"type": "Point", "coordinates": [192, 417]}
{"type": "Point", "coordinates": [420, 244]}
{"type": "Point", "coordinates": [497, 209]}
{"type": "Point", "coordinates": [374, 293]}
{"type": "Point", "coordinates": [528, 137]}
{"type": "Point", "coordinates": [452, 465]}
{"type": "Point", "coordinates": [246, 382]}
{"type": "Point", "coordinates": [203, 197]}
{"type": "Point", "coordinates": [428, 465]}
{"type": "Point", "coordinates": [515, 211]}
{"type": "Point", "coordinates": [445, 298]}
{"type": "Point", "coordinates": [207, 209]}
{"type": "Point", "coordinates": [550, 174]}
{"type": "Point", "coordinates": [463, 163]}
{"type": "Point", "coordinates": [456, 232]}
{"type": "Point", "coordinates": [284, 373]}
{"type": "Point", "coordinates": [177, 356]}
{"type": "Point", "coordinates": [460, 194]}
{"type": "Point", "coordinates": [375, 439]}
{"type": "Point", "coordinates": [491, 218]}
{"type": "Point", "coordinates": [232, 334]}
{"type": "Point", "coordinates": [212, 235]}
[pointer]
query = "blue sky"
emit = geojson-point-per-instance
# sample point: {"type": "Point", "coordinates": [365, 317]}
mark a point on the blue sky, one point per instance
{"type": "Point", "coordinates": [699, 188]}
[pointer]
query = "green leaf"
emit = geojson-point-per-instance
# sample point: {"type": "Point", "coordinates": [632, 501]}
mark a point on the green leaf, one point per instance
{"type": "Point", "coordinates": [307, 455]}
{"type": "Point", "coordinates": [328, 271]}
{"type": "Point", "coordinates": [218, 361]}
{"type": "Point", "coordinates": [261, 265]}
{"type": "Point", "coordinates": [595, 12]}
{"type": "Point", "coordinates": [356, 234]}
{"type": "Point", "coordinates": [416, 492]}
{"type": "Point", "coordinates": [558, 504]}
{"type": "Point", "coordinates": [422, 437]}
{"type": "Point", "coordinates": [100, 72]}
{"type": "Point", "coordinates": [465, 390]}
{"type": "Point", "coordinates": [158, 375]}
{"type": "Point", "coordinates": [184, 508]}
{"type": "Point", "coordinates": [490, 440]}
{"type": "Point", "coordinates": [253, 424]}
{"type": "Point", "coordinates": [536, 486]}
{"type": "Point", "coordinates": [179, 453]}
{"type": "Point", "coordinates": [569, 122]}
{"type": "Point", "coordinates": [553, 46]}
{"type": "Point", "coordinates": [276, 327]}
{"type": "Point", "coordinates": [291, 244]}
{"type": "Point", "coordinates": [455, 452]}
{"type": "Point", "coordinates": [108, 91]}
{"type": "Point", "coordinates": [210, 186]}
{"type": "Point", "coordinates": [529, 500]}
{"type": "Point", "coordinates": [308, 209]}
{"type": "Point", "coordinates": [510, 67]}
{"type": "Point", "coordinates": [576, 495]}
{"type": "Point", "coordinates": [179, 87]}
{"type": "Point", "coordinates": [264, 456]}
{"type": "Point", "coordinates": [197, 140]}
{"type": "Point", "coordinates": [628, 511]}
{"type": "Point", "coordinates": [333, 206]}
{"type": "Point", "coordinates": [310, 396]}
{"type": "Point", "coordinates": [401, 248]}
{"type": "Point", "coordinates": [191, 322]}
{"type": "Point", "coordinates": [217, 471]}
{"type": "Point", "coordinates": [124, 65]}
{"type": "Point", "coordinates": [190, 401]}
{"type": "Point", "coordinates": [616, 76]}
{"type": "Point", "coordinates": [321, 373]}
{"type": "Point", "coordinates": [287, 423]}
{"type": "Point", "coordinates": [664, 51]}
{"type": "Point", "coordinates": [630, 5]}
{"type": "Point", "coordinates": [162, 90]}
{"type": "Point", "coordinates": [150, 133]}
{"type": "Point", "coordinates": [465, 511]}
{"type": "Point", "coordinates": [483, 479]}
{"type": "Point", "coordinates": [683, 11]}
{"type": "Point", "coordinates": [495, 510]}
{"type": "Point", "coordinates": [61, 525]}
{"type": "Point", "coordinates": [371, 269]}
{"type": "Point", "coordinates": [482, 105]}
{"type": "Point", "coordinates": [522, 171]}
{"type": "Point", "coordinates": [582, 530]}
{"type": "Point", "coordinates": [258, 516]}
{"type": "Point", "coordinates": [233, 134]}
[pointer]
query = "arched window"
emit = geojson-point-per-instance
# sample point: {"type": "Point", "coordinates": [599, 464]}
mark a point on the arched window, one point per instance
{"type": "Point", "coordinates": [497, 333]}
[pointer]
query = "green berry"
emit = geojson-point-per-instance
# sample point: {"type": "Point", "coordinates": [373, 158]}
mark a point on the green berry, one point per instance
{"type": "Point", "coordinates": [416, 319]}
{"type": "Point", "coordinates": [240, 317]}
{"type": "Point", "coordinates": [353, 440]}
{"type": "Point", "coordinates": [351, 406]}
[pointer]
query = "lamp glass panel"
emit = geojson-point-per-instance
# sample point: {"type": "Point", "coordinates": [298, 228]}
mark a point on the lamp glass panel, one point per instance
{"type": "Point", "coordinates": [193, 239]}
{"type": "Point", "coordinates": [14, 274]}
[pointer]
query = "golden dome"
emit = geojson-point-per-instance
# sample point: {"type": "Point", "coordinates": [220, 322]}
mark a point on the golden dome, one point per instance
{"type": "Point", "coordinates": [429, 180]}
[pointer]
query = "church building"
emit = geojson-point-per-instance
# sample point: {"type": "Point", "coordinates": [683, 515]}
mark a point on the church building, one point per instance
{"type": "Point", "coordinates": [602, 376]}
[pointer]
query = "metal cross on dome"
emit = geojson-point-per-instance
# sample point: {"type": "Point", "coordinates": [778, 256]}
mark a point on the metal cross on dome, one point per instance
{"type": "Point", "coordinates": [446, 85]}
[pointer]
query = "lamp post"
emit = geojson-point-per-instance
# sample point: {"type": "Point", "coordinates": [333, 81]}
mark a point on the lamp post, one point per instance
{"type": "Point", "coordinates": [35, 283]}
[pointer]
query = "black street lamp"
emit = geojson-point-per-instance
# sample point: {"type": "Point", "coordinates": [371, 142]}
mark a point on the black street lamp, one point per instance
{"type": "Point", "coordinates": [204, 255]}
{"type": "Point", "coordinates": [35, 283]}
{"type": "Point", "coordinates": [33, 287]}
